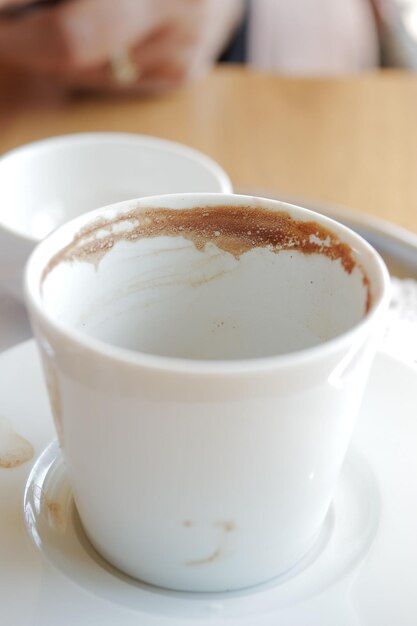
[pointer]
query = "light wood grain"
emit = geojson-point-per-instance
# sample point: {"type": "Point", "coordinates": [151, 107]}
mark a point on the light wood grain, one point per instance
{"type": "Point", "coordinates": [350, 141]}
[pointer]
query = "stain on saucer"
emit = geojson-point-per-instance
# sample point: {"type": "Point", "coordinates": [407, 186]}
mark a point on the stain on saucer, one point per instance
{"type": "Point", "coordinates": [223, 550]}
{"type": "Point", "coordinates": [14, 449]}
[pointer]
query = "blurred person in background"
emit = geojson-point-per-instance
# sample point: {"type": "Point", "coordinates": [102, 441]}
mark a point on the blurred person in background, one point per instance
{"type": "Point", "coordinates": [149, 46]}
{"type": "Point", "coordinates": [313, 37]}
{"type": "Point", "coordinates": [329, 37]}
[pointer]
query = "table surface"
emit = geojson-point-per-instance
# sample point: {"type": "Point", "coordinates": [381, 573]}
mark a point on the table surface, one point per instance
{"type": "Point", "coordinates": [349, 141]}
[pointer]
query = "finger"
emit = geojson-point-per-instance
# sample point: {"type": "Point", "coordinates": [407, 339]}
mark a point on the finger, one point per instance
{"type": "Point", "coordinates": [77, 34]}
{"type": "Point", "coordinates": [167, 51]}
{"type": "Point", "coordinates": [163, 61]}
{"type": "Point", "coordinates": [98, 28]}
{"type": "Point", "coordinates": [169, 79]}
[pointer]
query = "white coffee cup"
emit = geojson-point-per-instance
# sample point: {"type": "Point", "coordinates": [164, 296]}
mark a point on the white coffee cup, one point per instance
{"type": "Point", "coordinates": [206, 356]}
{"type": "Point", "coordinates": [48, 182]}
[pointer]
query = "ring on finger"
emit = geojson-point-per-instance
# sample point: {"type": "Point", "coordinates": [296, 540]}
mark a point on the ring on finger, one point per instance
{"type": "Point", "coordinates": [123, 69]}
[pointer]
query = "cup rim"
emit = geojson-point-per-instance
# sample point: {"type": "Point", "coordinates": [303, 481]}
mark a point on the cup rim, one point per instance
{"type": "Point", "coordinates": [36, 265]}
{"type": "Point", "coordinates": [142, 140]}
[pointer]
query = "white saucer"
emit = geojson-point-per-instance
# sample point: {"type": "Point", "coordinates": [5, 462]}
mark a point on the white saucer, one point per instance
{"type": "Point", "coordinates": [362, 570]}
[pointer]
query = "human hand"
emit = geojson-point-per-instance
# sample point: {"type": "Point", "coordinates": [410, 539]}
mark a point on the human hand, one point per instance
{"type": "Point", "coordinates": [79, 41]}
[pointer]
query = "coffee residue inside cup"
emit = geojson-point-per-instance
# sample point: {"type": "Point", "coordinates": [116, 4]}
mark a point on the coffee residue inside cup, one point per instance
{"type": "Point", "coordinates": [235, 230]}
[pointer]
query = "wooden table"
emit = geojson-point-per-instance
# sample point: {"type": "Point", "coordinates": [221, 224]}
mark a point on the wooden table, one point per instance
{"type": "Point", "coordinates": [350, 141]}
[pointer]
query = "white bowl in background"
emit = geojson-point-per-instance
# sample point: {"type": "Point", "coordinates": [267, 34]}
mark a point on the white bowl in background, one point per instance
{"type": "Point", "coordinates": [48, 182]}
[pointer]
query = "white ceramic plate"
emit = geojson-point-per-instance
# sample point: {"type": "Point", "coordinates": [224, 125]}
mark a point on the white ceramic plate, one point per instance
{"type": "Point", "coordinates": [361, 571]}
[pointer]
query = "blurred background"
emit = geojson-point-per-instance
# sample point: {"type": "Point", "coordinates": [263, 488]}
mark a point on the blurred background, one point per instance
{"type": "Point", "coordinates": [148, 46]}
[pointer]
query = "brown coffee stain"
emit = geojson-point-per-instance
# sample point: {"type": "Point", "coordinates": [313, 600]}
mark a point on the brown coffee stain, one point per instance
{"type": "Point", "coordinates": [235, 230]}
{"type": "Point", "coordinates": [227, 526]}
{"type": "Point", "coordinates": [55, 513]}
{"type": "Point", "coordinates": [367, 285]}
{"type": "Point", "coordinates": [14, 449]}
{"type": "Point", "coordinates": [215, 556]}
{"type": "Point", "coordinates": [223, 550]}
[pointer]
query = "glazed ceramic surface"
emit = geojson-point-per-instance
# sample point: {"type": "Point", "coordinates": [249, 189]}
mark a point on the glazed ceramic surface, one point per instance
{"type": "Point", "coordinates": [204, 400]}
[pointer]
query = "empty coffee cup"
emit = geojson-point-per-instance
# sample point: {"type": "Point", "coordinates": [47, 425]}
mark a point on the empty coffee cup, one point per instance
{"type": "Point", "coordinates": [206, 356]}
